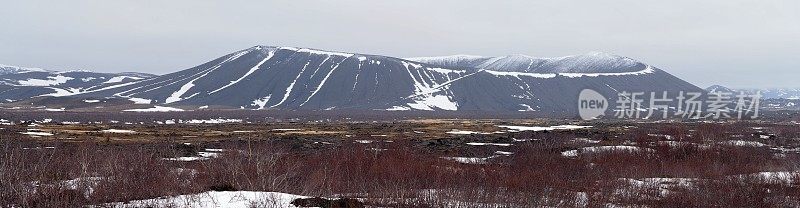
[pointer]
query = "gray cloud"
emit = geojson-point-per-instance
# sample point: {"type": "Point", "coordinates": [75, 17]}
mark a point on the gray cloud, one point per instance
{"type": "Point", "coordinates": [731, 42]}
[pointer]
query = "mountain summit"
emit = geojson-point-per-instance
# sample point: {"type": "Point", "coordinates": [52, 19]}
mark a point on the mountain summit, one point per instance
{"type": "Point", "coordinates": [6, 69]}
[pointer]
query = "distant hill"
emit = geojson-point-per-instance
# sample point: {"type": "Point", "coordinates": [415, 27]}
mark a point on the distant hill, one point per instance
{"type": "Point", "coordinates": [767, 93]}
{"type": "Point", "coordinates": [20, 83]}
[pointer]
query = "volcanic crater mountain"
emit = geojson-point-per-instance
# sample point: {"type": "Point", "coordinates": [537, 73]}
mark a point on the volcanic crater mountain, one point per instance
{"type": "Point", "coordinates": [290, 78]}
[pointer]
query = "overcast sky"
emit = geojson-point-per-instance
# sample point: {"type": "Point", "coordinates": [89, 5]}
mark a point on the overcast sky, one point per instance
{"type": "Point", "coordinates": [730, 42]}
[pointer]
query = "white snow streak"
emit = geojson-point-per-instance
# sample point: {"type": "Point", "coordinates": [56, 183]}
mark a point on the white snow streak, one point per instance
{"type": "Point", "coordinates": [398, 108]}
{"type": "Point", "coordinates": [269, 56]}
{"type": "Point", "coordinates": [647, 70]}
{"type": "Point", "coordinates": [291, 85]}
{"type": "Point", "coordinates": [527, 108]}
{"type": "Point", "coordinates": [119, 131]}
{"type": "Point", "coordinates": [540, 128]}
{"type": "Point", "coordinates": [176, 96]}
{"type": "Point", "coordinates": [446, 71]}
{"type": "Point", "coordinates": [361, 60]}
{"type": "Point", "coordinates": [420, 87]}
{"type": "Point", "coordinates": [435, 88]}
{"type": "Point", "coordinates": [524, 74]}
{"type": "Point", "coordinates": [325, 79]}
{"type": "Point", "coordinates": [37, 133]}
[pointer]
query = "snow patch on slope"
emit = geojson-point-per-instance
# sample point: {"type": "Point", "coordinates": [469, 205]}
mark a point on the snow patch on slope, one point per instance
{"type": "Point", "coordinates": [50, 81]}
{"type": "Point", "coordinates": [62, 92]}
{"type": "Point", "coordinates": [261, 102]}
{"type": "Point", "coordinates": [431, 102]}
{"type": "Point", "coordinates": [398, 108]}
{"type": "Point", "coordinates": [155, 109]}
{"type": "Point", "coordinates": [140, 100]}
{"type": "Point", "coordinates": [541, 128]}
{"type": "Point", "coordinates": [118, 79]}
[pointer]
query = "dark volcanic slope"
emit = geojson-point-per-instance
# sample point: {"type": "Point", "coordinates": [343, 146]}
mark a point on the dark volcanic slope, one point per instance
{"type": "Point", "coordinates": [290, 78]}
{"type": "Point", "coordinates": [265, 77]}
{"type": "Point", "coordinates": [19, 83]}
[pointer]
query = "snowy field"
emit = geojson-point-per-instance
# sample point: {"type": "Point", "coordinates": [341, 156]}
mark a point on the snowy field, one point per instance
{"type": "Point", "coordinates": [221, 199]}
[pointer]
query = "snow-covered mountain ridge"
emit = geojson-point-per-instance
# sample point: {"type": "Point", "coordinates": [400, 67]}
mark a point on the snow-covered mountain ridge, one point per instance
{"type": "Point", "coordinates": [6, 69]}
{"type": "Point", "coordinates": [766, 93]}
{"type": "Point", "coordinates": [593, 62]}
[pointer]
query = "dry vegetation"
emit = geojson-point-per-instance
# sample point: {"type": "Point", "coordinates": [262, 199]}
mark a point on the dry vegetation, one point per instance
{"type": "Point", "coordinates": [748, 164]}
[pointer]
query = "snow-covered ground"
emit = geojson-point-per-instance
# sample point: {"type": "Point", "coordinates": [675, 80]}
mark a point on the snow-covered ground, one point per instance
{"type": "Point", "coordinates": [200, 156]}
{"type": "Point", "coordinates": [542, 128]}
{"type": "Point", "coordinates": [598, 149]}
{"type": "Point", "coordinates": [518, 129]}
{"type": "Point", "coordinates": [35, 133]}
{"type": "Point", "coordinates": [489, 144]}
{"type": "Point", "coordinates": [285, 129]}
{"type": "Point", "coordinates": [155, 109]}
{"type": "Point", "coordinates": [478, 160]}
{"type": "Point", "coordinates": [742, 143]}
{"type": "Point", "coordinates": [221, 199]}
{"type": "Point", "coordinates": [119, 131]}
{"type": "Point", "coordinates": [456, 131]}
{"type": "Point", "coordinates": [212, 121]}
{"type": "Point", "coordinates": [585, 140]}
{"type": "Point", "coordinates": [471, 160]}
{"type": "Point", "coordinates": [201, 121]}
